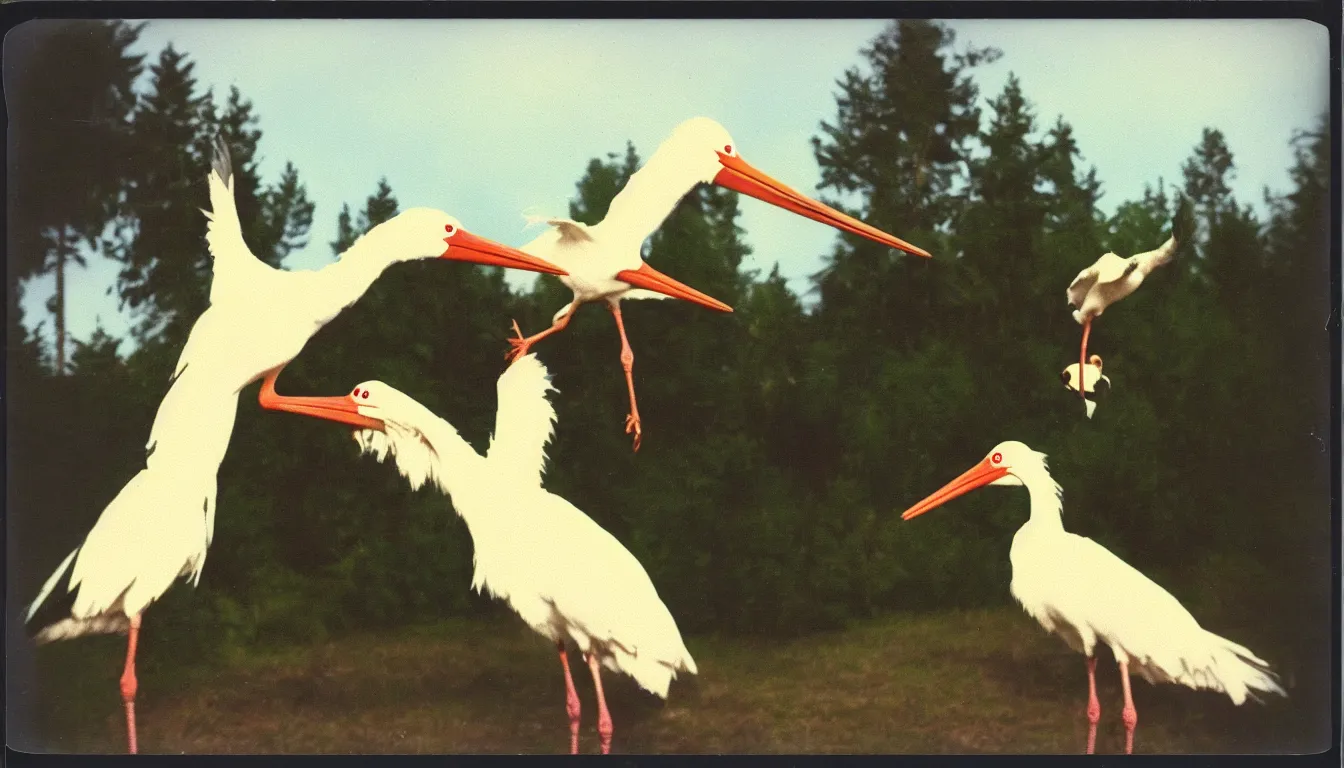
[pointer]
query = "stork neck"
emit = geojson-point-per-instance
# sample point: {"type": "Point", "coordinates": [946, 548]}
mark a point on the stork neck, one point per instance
{"type": "Point", "coordinates": [351, 276]}
{"type": "Point", "coordinates": [1047, 503]}
{"type": "Point", "coordinates": [461, 465]}
{"type": "Point", "coordinates": [650, 196]}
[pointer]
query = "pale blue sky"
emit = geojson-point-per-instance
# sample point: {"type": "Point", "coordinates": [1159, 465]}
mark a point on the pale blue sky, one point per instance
{"type": "Point", "coordinates": [486, 119]}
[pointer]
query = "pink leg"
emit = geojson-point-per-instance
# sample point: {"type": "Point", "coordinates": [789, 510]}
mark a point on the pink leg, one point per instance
{"type": "Point", "coordinates": [628, 363]}
{"type": "Point", "coordinates": [1093, 706]}
{"type": "Point", "coordinates": [1129, 714]}
{"type": "Point", "coordinates": [521, 345]}
{"type": "Point", "coordinates": [1082, 357]}
{"type": "Point", "coordinates": [129, 683]}
{"type": "Point", "coordinates": [571, 702]}
{"type": "Point", "coordinates": [604, 728]}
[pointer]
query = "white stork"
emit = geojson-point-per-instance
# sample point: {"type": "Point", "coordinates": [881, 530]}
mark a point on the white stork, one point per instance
{"type": "Point", "coordinates": [1093, 384]}
{"type": "Point", "coordinates": [1080, 591]}
{"type": "Point", "coordinates": [160, 524]}
{"type": "Point", "coordinates": [603, 260]}
{"type": "Point", "coordinates": [1112, 278]}
{"type": "Point", "coordinates": [563, 574]}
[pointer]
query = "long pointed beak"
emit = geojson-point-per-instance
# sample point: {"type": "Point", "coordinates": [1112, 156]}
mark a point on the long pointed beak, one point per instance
{"type": "Point", "coordinates": [739, 175]}
{"type": "Point", "coordinates": [983, 473]}
{"type": "Point", "coordinates": [342, 409]}
{"type": "Point", "coordinates": [651, 279]}
{"type": "Point", "coordinates": [464, 246]}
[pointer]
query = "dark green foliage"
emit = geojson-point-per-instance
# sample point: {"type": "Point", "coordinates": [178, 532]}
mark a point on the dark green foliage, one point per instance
{"type": "Point", "coordinates": [781, 441]}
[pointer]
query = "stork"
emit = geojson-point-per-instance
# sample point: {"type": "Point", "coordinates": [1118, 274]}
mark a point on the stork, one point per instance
{"type": "Point", "coordinates": [603, 260]}
{"type": "Point", "coordinates": [566, 577]}
{"type": "Point", "coordinates": [1080, 591]}
{"type": "Point", "coordinates": [1092, 383]}
{"type": "Point", "coordinates": [1112, 278]}
{"type": "Point", "coordinates": [159, 526]}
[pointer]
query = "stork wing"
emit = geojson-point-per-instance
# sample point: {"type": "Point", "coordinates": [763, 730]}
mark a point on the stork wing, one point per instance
{"type": "Point", "coordinates": [224, 233]}
{"type": "Point", "coordinates": [606, 590]}
{"type": "Point", "coordinates": [524, 421]}
{"type": "Point", "coordinates": [571, 232]}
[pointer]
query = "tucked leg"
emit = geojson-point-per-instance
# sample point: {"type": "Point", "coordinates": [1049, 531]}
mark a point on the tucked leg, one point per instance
{"type": "Point", "coordinates": [521, 345]}
{"type": "Point", "coordinates": [571, 701]}
{"type": "Point", "coordinates": [604, 728]}
{"type": "Point", "coordinates": [627, 363]}
{"type": "Point", "coordinates": [129, 683]}
{"type": "Point", "coordinates": [1093, 706]}
{"type": "Point", "coordinates": [1129, 714]}
{"type": "Point", "coordinates": [1082, 357]}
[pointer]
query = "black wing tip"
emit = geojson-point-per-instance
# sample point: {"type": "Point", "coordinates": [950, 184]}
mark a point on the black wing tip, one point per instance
{"type": "Point", "coordinates": [221, 160]}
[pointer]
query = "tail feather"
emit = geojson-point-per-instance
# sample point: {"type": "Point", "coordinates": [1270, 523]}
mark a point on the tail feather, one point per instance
{"type": "Point", "coordinates": [49, 613]}
{"type": "Point", "coordinates": [1232, 669]}
{"type": "Point", "coordinates": [1090, 406]}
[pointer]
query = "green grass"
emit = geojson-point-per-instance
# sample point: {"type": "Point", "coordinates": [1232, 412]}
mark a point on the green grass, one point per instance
{"type": "Point", "coordinates": [985, 681]}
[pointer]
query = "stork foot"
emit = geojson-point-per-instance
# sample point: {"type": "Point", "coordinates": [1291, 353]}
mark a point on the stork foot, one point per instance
{"type": "Point", "coordinates": [518, 343]}
{"type": "Point", "coordinates": [632, 427]}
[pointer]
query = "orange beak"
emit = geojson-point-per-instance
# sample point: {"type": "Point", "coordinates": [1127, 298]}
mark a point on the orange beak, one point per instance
{"type": "Point", "coordinates": [648, 278]}
{"type": "Point", "coordinates": [344, 409]}
{"type": "Point", "coordinates": [983, 473]}
{"type": "Point", "coordinates": [464, 246]}
{"type": "Point", "coordinates": [740, 176]}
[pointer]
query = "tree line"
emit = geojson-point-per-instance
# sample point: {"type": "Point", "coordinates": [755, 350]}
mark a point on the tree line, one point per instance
{"type": "Point", "coordinates": [782, 441]}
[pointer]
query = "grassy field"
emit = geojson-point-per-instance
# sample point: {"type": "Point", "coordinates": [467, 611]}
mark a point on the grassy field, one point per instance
{"type": "Point", "coordinates": [965, 682]}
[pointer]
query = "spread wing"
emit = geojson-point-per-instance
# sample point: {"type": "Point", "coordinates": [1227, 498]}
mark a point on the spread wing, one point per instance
{"type": "Point", "coordinates": [571, 232]}
{"type": "Point", "coordinates": [233, 262]}
{"type": "Point", "coordinates": [524, 421]}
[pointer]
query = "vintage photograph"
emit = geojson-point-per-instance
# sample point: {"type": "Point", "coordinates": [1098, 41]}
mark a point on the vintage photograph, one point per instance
{"type": "Point", "coordinates": [677, 386]}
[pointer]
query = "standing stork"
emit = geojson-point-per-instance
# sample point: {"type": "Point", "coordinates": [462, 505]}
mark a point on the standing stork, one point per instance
{"type": "Point", "coordinates": [1112, 278]}
{"type": "Point", "coordinates": [159, 526]}
{"type": "Point", "coordinates": [603, 260]}
{"type": "Point", "coordinates": [1080, 591]}
{"type": "Point", "coordinates": [564, 575]}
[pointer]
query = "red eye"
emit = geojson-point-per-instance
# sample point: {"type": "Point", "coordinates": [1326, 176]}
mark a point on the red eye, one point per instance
{"type": "Point", "coordinates": [364, 394]}
{"type": "Point", "coordinates": [996, 458]}
{"type": "Point", "coordinates": [728, 149]}
{"type": "Point", "coordinates": [450, 229]}
{"type": "Point", "coordinates": [355, 393]}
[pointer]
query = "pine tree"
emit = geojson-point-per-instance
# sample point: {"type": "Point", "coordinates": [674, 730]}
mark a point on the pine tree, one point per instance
{"type": "Point", "coordinates": [70, 98]}
{"type": "Point", "coordinates": [166, 270]}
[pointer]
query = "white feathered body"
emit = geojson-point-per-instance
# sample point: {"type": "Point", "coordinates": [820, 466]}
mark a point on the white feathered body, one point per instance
{"type": "Point", "coordinates": [1112, 278]}
{"type": "Point", "coordinates": [1082, 592]}
{"type": "Point", "coordinates": [160, 524]}
{"type": "Point", "coordinates": [593, 255]}
{"type": "Point", "coordinates": [564, 575]}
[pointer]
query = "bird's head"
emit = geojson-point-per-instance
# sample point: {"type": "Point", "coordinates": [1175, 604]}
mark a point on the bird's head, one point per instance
{"type": "Point", "coordinates": [1007, 464]}
{"type": "Point", "coordinates": [425, 233]}
{"type": "Point", "coordinates": [1095, 360]}
{"type": "Point", "coordinates": [704, 146]}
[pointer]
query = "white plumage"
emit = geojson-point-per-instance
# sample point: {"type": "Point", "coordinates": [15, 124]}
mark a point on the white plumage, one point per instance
{"type": "Point", "coordinates": [160, 524]}
{"type": "Point", "coordinates": [1112, 278]}
{"type": "Point", "coordinates": [603, 260]}
{"type": "Point", "coordinates": [1080, 591]}
{"type": "Point", "coordinates": [567, 578]}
